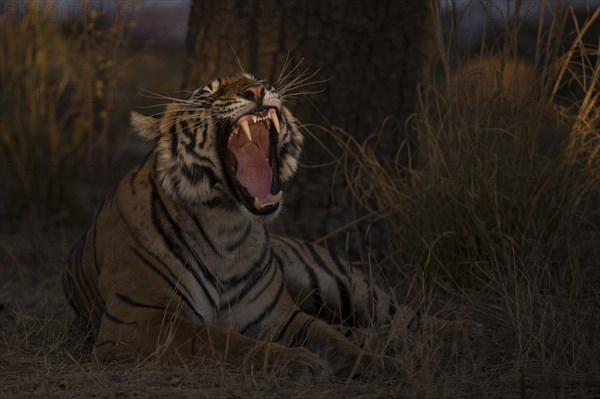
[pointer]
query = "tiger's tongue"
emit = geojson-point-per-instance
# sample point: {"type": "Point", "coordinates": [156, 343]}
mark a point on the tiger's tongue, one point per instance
{"type": "Point", "coordinates": [253, 170]}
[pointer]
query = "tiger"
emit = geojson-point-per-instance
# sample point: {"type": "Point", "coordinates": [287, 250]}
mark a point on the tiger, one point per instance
{"type": "Point", "coordinates": [179, 263]}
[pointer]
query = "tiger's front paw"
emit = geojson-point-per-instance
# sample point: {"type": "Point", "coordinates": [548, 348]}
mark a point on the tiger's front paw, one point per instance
{"type": "Point", "coordinates": [305, 365]}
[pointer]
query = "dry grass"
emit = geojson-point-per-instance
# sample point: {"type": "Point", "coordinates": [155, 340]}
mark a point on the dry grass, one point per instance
{"type": "Point", "coordinates": [59, 100]}
{"type": "Point", "coordinates": [497, 218]}
{"type": "Point", "coordinates": [496, 221]}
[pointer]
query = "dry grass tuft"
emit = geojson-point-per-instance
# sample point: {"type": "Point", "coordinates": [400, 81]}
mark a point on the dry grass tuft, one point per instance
{"type": "Point", "coordinates": [59, 77]}
{"type": "Point", "coordinates": [497, 216]}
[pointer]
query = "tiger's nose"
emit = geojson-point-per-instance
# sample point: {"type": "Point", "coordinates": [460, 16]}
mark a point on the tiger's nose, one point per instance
{"type": "Point", "coordinates": [254, 93]}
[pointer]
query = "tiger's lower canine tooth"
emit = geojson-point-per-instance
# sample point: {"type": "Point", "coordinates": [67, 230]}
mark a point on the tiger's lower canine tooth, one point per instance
{"type": "Point", "coordinates": [273, 117]}
{"type": "Point", "coordinates": [257, 204]}
{"type": "Point", "coordinates": [277, 197]}
{"type": "Point", "coordinates": [246, 129]}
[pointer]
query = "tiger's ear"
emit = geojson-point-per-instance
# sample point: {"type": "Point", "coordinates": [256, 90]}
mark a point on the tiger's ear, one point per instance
{"type": "Point", "coordinates": [146, 126]}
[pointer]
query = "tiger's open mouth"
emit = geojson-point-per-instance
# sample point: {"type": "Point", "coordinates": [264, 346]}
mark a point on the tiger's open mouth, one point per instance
{"type": "Point", "coordinates": [251, 160]}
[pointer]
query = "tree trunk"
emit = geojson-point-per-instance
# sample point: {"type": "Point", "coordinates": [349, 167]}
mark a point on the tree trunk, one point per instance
{"type": "Point", "coordinates": [374, 56]}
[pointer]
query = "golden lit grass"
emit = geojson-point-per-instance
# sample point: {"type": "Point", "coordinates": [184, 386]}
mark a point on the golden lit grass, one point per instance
{"type": "Point", "coordinates": [59, 95]}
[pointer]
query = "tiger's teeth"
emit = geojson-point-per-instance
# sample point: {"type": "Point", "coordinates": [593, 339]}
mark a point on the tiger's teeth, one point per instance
{"type": "Point", "coordinates": [246, 129]}
{"type": "Point", "coordinates": [277, 197]}
{"type": "Point", "coordinates": [273, 117]}
{"type": "Point", "coordinates": [257, 204]}
{"type": "Point", "coordinates": [254, 119]}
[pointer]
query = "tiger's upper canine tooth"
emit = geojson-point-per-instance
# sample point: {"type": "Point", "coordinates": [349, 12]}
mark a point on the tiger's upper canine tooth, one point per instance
{"type": "Point", "coordinates": [277, 197]}
{"type": "Point", "coordinates": [246, 129]}
{"type": "Point", "coordinates": [273, 116]}
{"type": "Point", "coordinates": [257, 204]}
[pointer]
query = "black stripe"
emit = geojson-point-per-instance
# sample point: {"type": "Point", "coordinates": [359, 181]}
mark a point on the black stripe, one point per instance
{"type": "Point", "coordinates": [89, 288]}
{"type": "Point", "coordinates": [174, 140]}
{"type": "Point", "coordinates": [175, 249]}
{"type": "Point", "coordinates": [95, 304]}
{"type": "Point", "coordinates": [266, 312]}
{"type": "Point", "coordinates": [194, 173]}
{"type": "Point", "coordinates": [108, 200]}
{"type": "Point", "coordinates": [132, 178]}
{"type": "Point", "coordinates": [205, 236]}
{"type": "Point", "coordinates": [173, 286]}
{"type": "Point", "coordinates": [191, 146]}
{"type": "Point", "coordinates": [88, 297]}
{"type": "Point", "coordinates": [212, 177]}
{"type": "Point", "coordinates": [175, 177]}
{"type": "Point", "coordinates": [285, 149]}
{"type": "Point", "coordinates": [74, 291]}
{"type": "Point", "coordinates": [338, 263]}
{"type": "Point", "coordinates": [316, 257]}
{"type": "Point", "coordinates": [136, 171]}
{"type": "Point", "coordinates": [233, 229]}
{"type": "Point", "coordinates": [172, 282]}
{"type": "Point", "coordinates": [265, 286]}
{"type": "Point", "coordinates": [238, 278]}
{"type": "Point", "coordinates": [116, 319]}
{"type": "Point", "coordinates": [186, 130]}
{"type": "Point", "coordinates": [238, 242]}
{"type": "Point", "coordinates": [204, 134]}
{"type": "Point", "coordinates": [279, 262]}
{"type": "Point", "coordinates": [314, 286]}
{"type": "Point", "coordinates": [248, 287]}
{"type": "Point", "coordinates": [300, 338]}
{"type": "Point", "coordinates": [203, 158]}
{"type": "Point", "coordinates": [131, 302]}
{"type": "Point", "coordinates": [221, 202]}
{"type": "Point", "coordinates": [178, 232]}
{"type": "Point", "coordinates": [146, 262]}
{"type": "Point", "coordinates": [346, 313]}
{"type": "Point", "coordinates": [287, 324]}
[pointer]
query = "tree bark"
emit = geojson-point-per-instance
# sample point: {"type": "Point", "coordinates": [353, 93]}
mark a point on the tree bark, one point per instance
{"type": "Point", "coordinates": [374, 56]}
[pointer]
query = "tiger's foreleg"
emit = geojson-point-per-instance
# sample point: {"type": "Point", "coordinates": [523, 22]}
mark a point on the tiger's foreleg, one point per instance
{"type": "Point", "coordinates": [178, 339]}
{"type": "Point", "coordinates": [345, 358]}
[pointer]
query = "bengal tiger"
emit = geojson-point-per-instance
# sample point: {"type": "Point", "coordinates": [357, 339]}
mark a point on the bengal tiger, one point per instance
{"type": "Point", "coordinates": [179, 262]}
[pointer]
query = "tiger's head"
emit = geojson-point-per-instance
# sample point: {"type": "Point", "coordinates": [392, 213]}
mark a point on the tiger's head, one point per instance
{"type": "Point", "coordinates": [233, 141]}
